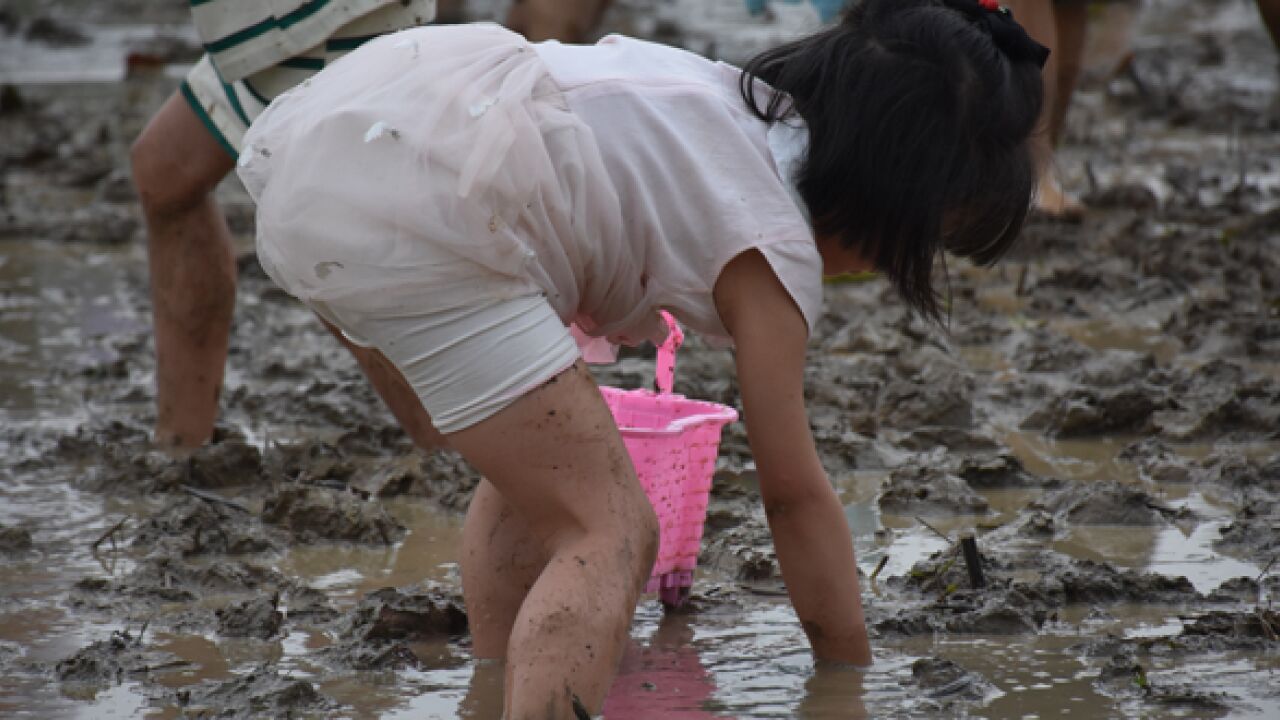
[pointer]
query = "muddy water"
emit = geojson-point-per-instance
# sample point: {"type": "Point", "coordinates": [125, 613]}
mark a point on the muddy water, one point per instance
{"type": "Point", "coordinates": [1104, 416]}
{"type": "Point", "coordinates": [748, 661]}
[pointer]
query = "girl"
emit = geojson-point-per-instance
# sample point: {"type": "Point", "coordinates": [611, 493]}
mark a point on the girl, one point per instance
{"type": "Point", "coordinates": [456, 198]}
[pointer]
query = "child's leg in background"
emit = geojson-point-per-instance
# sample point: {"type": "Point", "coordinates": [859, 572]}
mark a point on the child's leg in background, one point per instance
{"type": "Point", "coordinates": [1041, 18]}
{"type": "Point", "coordinates": [556, 456]}
{"type": "Point", "coordinates": [177, 164]}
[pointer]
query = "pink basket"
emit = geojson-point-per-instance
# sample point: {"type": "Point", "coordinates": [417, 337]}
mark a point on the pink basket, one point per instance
{"type": "Point", "coordinates": [673, 442]}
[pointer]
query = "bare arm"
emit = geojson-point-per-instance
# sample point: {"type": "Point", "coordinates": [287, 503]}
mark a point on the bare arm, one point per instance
{"type": "Point", "coordinates": [810, 534]}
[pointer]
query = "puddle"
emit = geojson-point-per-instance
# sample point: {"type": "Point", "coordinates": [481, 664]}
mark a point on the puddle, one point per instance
{"type": "Point", "coordinates": [740, 663]}
{"type": "Point", "coordinates": [1133, 334]}
{"type": "Point", "coordinates": [1085, 460]}
{"type": "Point", "coordinates": [59, 303]}
{"type": "Point", "coordinates": [345, 573]}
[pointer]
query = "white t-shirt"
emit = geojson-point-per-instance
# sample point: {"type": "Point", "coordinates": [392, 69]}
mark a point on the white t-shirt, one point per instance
{"type": "Point", "coordinates": [692, 170]}
{"type": "Point", "coordinates": [447, 166]}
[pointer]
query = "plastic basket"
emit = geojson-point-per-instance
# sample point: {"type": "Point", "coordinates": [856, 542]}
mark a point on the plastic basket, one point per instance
{"type": "Point", "coordinates": [673, 442]}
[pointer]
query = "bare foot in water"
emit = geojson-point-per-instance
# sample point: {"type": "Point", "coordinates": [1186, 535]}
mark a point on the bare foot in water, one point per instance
{"type": "Point", "coordinates": [1055, 203]}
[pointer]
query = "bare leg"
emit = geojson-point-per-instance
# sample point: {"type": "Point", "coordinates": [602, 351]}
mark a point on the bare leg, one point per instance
{"type": "Point", "coordinates": [1270, 10]}
{"type": "Point", "coordinates": [1112, 39]}
{"type": "Point", "coordinates": [1070, 18]}
{"type": "Point", "coordinates": [177, 165]}
{"type": "Point", "coordinates": [1040, 20]}
{"type": "Point", "coordinates": [565, 20]}
{"type": "Point", "coordinates": [395, 392]}
{"type": "Point", "coordinates": [558, 460]}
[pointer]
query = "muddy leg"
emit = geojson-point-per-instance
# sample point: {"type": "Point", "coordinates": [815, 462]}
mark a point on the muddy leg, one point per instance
{"type": "Point", "coordinates": [556, 457]}
{"type": "Point", "coordinates": [177, 165]}
{"type": "Point", "coordinates": [501, 560]}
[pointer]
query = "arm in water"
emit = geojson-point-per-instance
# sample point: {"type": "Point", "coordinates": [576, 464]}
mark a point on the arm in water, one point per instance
{"type": "Point", "coordinates": [810, 534]}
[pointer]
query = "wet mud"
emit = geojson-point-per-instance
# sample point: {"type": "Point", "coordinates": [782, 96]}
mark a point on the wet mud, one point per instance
{"type": "Point", "coordinates": [1102, 415]}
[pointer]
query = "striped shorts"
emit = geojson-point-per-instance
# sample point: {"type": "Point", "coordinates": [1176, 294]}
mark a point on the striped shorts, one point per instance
{"type": "Point", "coordinates": [228, 107]}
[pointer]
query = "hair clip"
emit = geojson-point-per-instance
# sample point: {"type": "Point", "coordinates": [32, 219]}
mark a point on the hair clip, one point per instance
{"type": "Point", "coordinates": [990, 5]}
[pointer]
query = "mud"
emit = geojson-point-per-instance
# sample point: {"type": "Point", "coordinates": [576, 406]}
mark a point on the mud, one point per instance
{"type": "Point", "coordinates": [1255, 534]}
{"type": "Point", "coordinates": [262, 692]}
{"type": "Point", "coordinates": [1108, 504]}
{"type": "Point", "coordinates": [319, 513]}
{"type": "Point", "coordinates": [110, 661]}
{"type": "Point", "coordinates": [256, 617]}
{"type": "Point", "coordinates": [940, 677]}
{"type": "Point", "coordinates": [378, 633]}
{"type": "Point", "coordinates": [192, 526]}
{"type": "Point", "coordinates": [1102, 412]}
{"type": "Point", "coordinates": [929, 491]}
{"type": "Point", "coordinates": [15, 540]}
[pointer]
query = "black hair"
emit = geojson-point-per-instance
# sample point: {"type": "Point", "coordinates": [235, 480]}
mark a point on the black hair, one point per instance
{"type": "Point", "coordinates": [919, 115]}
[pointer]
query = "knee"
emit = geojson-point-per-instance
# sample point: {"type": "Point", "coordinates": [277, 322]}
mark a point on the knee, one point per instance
{"type": "Point", "coordinates": [645, 538]}
{"type": "Point", "coordinates": [164, 188]}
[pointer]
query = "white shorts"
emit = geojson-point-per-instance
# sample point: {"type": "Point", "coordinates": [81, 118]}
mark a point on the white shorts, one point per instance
{"type": "Point", "coordinates": [466, 363]}
{"type": "Point", "coordinates": [435, 268]}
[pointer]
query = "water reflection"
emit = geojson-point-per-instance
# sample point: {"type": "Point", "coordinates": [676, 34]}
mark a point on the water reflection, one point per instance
{"type": "Point", "coordinates": [662, 677]}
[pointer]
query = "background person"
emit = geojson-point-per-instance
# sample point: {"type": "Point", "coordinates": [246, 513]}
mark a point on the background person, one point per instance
{"type": "Point", "coordinates": [188, 147]}
{"type": "Point", "coordinates": [192, 143]}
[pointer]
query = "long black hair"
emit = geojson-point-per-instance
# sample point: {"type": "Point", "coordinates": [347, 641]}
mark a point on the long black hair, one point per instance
{"type": "Point", "coordinates": [919, 115]}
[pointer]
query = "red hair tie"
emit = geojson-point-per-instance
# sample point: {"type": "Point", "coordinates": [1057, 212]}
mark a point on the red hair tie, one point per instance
{"type": "Point", "coordinates": [989, 5]}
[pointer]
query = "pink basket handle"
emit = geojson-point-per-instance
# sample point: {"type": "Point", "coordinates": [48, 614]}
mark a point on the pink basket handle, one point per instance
{"type": "Point", "coordinates": [665, 373]}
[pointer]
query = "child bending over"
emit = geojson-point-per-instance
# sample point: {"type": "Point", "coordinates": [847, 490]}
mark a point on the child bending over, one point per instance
{"type": "Point", "coordinates": [456, 198]}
